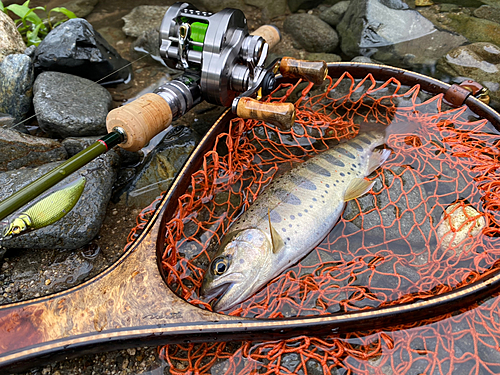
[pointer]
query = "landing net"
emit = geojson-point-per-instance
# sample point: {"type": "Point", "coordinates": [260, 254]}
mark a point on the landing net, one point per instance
{"type": "Point", "coordinates": [428, 225]}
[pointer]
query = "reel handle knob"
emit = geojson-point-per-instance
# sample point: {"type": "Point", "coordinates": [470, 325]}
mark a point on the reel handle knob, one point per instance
{"type": "Point", "coordinates": [280, 114]}
{"type": "Point", "coordinates": [140, 120]}
{"type": "Point", "coordinates": [313, 71]}
{"type": "Point", "coordinates": [271, 34]}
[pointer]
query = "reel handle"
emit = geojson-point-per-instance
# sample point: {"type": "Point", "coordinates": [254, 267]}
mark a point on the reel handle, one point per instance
{"type": "Point", "coordinates": [271, 34]}
{"type": "Point", "coordinates": [313, 71]}
{"type": "Point", "coordinates": [280, 114]}
{"type": "Point", "coordinates": [140, 120]}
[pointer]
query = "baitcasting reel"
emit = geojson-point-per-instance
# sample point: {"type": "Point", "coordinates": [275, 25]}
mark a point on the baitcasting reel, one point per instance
{"type": "Point", "coordinates": [222, 63]}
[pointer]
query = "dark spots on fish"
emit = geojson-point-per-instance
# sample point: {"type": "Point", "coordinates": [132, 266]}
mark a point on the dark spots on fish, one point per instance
{"type": "Point", "coordinates": [326, 191]}
{"type": "Point", "coordinates": [314, 199]}
{"type": "Point", "coordinates": [292, 217]}
{"type": "Point", "coordinates": [343, 151]}
{"type": "Point", "coordinates": [283, 229]}
{"type": "Point", "coordinates": [315, 168]}
{"type": "Point", "coordinates": [322, 196]}
{"type": "Point", "coordinates": [356, 146]}
{"type": "Point", "coordinates": [286, 197]}
{"type": "Point", "coordinates": [332, 159]}
{"type": "Point", "coordinates": [300, 214]}
{"type": "Point", "coordinates": [242, 260]}
{"type": "Point", "coordinates": [354, 165]}
{"type": "Point", "coordinates": [337, 181]}
{"type": "Point", "coordinates": [310, 206]}
{"type": "Point", "coordinates": [275, 217]}
{"type": "Point", "coordinates": [342, 174]}
{"type": "Point", "coordinates": [302, 182]}
{"type": "Point", "coordinates": [306, 210]}
{"type": "Point", "coordinates": [288, 238]}
{"type": "Point", "coordinates": [348, 172]}
{"type": "Point", "coordinates": [363, 139]}
{"type": "Point", "coordinates": [327, 185]}
{"type": "Point", "coordinates": [289, 225]}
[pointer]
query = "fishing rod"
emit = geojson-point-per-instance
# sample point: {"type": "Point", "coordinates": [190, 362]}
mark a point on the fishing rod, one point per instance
{"type": "Point", "coordinates": [222, 63]}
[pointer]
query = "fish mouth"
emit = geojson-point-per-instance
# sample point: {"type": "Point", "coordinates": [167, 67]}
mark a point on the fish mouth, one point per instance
{"type": "Point", "coordinates": [209, 293]}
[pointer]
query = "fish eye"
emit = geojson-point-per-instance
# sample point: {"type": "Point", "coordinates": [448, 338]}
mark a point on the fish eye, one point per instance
{"type": "Point", "coordinates": [16, 230]}
{"type": "Point", "coordinates": [219, 265]}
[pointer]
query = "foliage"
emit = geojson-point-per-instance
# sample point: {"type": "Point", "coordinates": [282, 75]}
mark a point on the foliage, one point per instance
{"type": "Point", "coordinates": [30, 25]}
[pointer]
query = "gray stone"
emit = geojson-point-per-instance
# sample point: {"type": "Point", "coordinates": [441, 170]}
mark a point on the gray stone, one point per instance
{"type": "Point", "coordinates": [363, 59]}
{"type": "Point", "coordinates": [143, 18]}
{"type": "Point", "coordinates": [393, 35]}
{"type": "Point", "coordinates": [295, 5]}
{"type": "Point", "coordinates": [23, 150]}
{"type": "Point", "coordinates": [148, 43]}
{"type": "Point", "coordinates": [269, 9]}
{"type": "Point", "coordinates": [334, 14]}
{"type": "Point", "coordinates": [10, 39]}
{"type": "Point", "coordinates": [320, 38]}
{"type": "Point", "coordinates": [70, 106]}
{"type": "Point", "coordinates": [478, 61]}
{"type": "Point", "coordinates": [83, 222]}
{"type": "Point", "coordinates": [161, 166]}
{"type": "Point", "coordinates": [73, 145]}
{"type": "Point", "coordinates": [488, 13]}
{"type": "Point", "coordinates": [16, 85]}
{"type": "Point", "coordinates": [76, 48]}
{"type": "Point", "coordinates": [327, 57]}
{"type": "Point", "coordinates": [6, 120]}
{"type": "Point", "coordinates": [81, 8]}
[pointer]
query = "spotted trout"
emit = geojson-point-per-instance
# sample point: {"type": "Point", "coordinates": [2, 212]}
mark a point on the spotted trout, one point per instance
{"type": "Point", "coordinates": [290, 218]}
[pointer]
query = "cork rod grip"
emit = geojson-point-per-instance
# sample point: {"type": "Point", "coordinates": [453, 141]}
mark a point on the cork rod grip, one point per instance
{"type": "Point", "coordinates": [141, 120]}
{"type": "Point", "coordinates": [312, 71]}
{"type": "Point", "coordinates": [280, 114]}
{"type": "Point", "coordinates": [271, 34]}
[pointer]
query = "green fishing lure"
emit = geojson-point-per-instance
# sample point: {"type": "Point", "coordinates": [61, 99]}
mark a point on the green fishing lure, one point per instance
{"type": "Point", "coordinates": [48, 210]}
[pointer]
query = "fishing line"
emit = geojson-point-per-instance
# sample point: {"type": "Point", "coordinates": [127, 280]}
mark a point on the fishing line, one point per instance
{"type": "Point", "coordinates": [110, 74]}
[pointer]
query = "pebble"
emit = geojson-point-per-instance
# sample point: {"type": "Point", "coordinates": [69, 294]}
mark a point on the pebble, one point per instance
{"type": "Point", "coordinates": [76, 48]}
{"type": "Point", "coordinates": [320, 38]}
{"type": "Point", "coordinates": [10, 39]}
{"type": "Point", "coordinates": [143, 18]}
{"type": "Point", "coordinates": [16, 85]}
{"type": "Point", "coordinates": [70, 106]}
{"type": "Point", "coordinates": [19, 150]}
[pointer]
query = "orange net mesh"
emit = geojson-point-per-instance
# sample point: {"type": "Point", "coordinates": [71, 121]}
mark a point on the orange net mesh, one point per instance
{"type": "Point", "coordinates": [428, 225]}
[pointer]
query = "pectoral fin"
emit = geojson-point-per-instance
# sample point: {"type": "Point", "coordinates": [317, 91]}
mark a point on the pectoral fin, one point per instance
{"type": "Point", "coordinates": [357, 188]}
{"type": "Point", "coordinates": [377, 158]}
{"type": "Point", "coordinates": [276, 239]}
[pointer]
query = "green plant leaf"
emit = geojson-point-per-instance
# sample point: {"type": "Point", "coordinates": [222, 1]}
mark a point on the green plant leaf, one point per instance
{"type": "Point", "coordinates": [2, 8]}
{"type": "Point", "coordinates": [68, 13]}
{"type": "Point", "coordinates": [33, 17]}
{"type": "Point", "coordinates": [32, 36]}
{"type": "Point", "coordinates": [18, 10]}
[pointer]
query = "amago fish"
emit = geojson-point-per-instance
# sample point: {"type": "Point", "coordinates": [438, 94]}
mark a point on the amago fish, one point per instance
{"type": "Point", "coordinates": [47, 210]}
{"type": "Point", "coordinates": [290, 218]}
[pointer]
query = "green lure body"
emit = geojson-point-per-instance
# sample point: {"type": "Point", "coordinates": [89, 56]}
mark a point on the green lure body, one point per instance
{"type": "Point", "coordinates": [48, 210]}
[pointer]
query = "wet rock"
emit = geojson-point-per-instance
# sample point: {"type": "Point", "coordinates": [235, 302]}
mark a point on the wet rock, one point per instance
{"type": "Point", "coordinates": [70, 106]}
{"type": "Point", "coordinates": [478, 61]}
{"type": "Point", "coordinates": [320, 38]}
{"type": "Point", "coordinates": [363, 59]}
{"type": "Point", "coordinates": [6, 120]}
{"type": "Point", "coordinates": [269, 9]}
{"type": "Point", "coordinates": [392, 34]}
{"type": "Point", "coordinates": [81, 8]}
{"type": "Point", "coordinates": [295, 5]}
{"type": "Point", "coordinates": [334, 14]}
{"type": "Point", "coordinates": [21, 150]}
{"type": "Point", "coordinates": [73, 145]}
{"type": "Point", "coordinates": [143, 18]}
{"type": "Point", "coordinates": [76, 48]}
{"type": "Point", "coordinates": [148, 43]}
{"type": "Point", "coordinates": [403, 219]}
{"type": "Point", "coordinates": [10, 39]}
{"type": "Point", "coordinates": [328, 57]}
{"type": "Point", "coordinates": [16, 85]}
{"type": "Point", "coordinates": [488, 13]}
{"type": "Point", "coordinates": [217, 5]}
{"type": "Point", "coordinates": [161, 166]}
{"type": "Point", "coordinates": [83, 222]}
